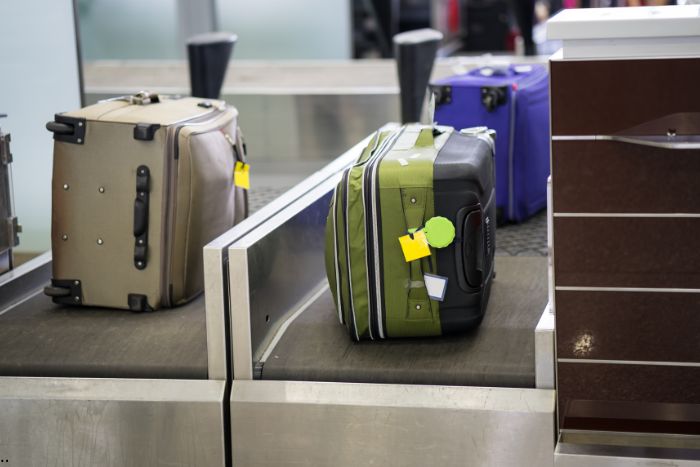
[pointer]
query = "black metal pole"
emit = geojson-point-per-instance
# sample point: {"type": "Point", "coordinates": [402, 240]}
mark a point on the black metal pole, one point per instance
{"type": "Point", "coordinates": [415, 53]}
{"type": "Point", "coordinates": [208, 55]}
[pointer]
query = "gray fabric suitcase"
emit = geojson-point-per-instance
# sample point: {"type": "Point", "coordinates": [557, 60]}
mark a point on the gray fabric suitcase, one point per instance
{"type": "Point", "coordinates": [8, 222]}
{"type": "Point", "coordinates": [140, 184]}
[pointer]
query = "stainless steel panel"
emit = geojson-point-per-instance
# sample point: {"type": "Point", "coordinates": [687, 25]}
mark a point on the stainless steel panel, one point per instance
{"type": "Point", "coordinates": [284, 423]}
{"type": "Point", "coordinates": [279, 266]}
{"type": "Point", "coordinates": [24, 280]}
{"type": "Point", "coordinates": [50, 422]}
{"type": "Point", "coordinates": [295, 112]}
{"type": "Point", "coordinates": [216, 265]}
{"type": "Point", "coordinates": [216, 262]}
{"type": "Point", "coordinates": [545, 359]}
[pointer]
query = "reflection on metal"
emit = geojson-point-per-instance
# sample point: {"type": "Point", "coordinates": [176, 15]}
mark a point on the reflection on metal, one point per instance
{"type": "Point", "coordinates": [544, 350]}
{"type": "Point", "coordinates": [341, 424]}
{"type": "Point", "coordinates": [111, 422]}
{"type": "Point", "coordinates": [216, 261]}
{"type": "Point", "coordinates": [217, 277]}
{"type": "Point", "coordinates": [290, 111]}
{"type": "Point", "coordinates": [599, 455]}
{"type": "Point", "coordinates": [24, 281]}
{"type": "Point", "coordinates": [274, 270]}
{"type": "Point", "coordinates": [644, 440]}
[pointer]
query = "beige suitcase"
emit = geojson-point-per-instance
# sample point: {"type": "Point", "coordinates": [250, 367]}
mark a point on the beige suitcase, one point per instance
{"type": "Point", "coordinates": [140, 184]}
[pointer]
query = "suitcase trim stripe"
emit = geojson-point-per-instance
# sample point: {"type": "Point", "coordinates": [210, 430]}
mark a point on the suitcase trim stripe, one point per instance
{"type": "Point", "coordinates": [343, 272]}
{"type": "Point", "coordinates": [373, 255]}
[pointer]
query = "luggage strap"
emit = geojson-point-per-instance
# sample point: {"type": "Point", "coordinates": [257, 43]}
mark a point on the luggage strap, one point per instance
{"type": "Point", "coordinates": [140, 98]}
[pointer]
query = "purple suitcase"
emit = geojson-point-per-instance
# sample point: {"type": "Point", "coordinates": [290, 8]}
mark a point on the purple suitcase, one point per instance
{"type": "Point", "coordinates": [515, 103]}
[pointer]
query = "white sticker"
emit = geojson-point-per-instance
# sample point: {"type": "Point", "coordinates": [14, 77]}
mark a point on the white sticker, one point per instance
{"type": "Point", "coordinates": [403, 161]}
{"type": "Point", "coordinates": [436, 286]}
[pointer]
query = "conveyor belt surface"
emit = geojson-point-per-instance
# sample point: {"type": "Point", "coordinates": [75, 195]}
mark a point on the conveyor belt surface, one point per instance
{"type": "Point", "coordinates": [501, 352]}
{"type": "Point", "coordinates": [39, 338]}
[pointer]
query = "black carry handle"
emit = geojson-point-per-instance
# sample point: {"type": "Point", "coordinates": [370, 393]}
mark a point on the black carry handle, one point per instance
{"type": "Point", "coordinates": [415, 53]}
{"type": "Point", "coordinates": [60, 128]}
{"type": "Point", "coordinates": [67, 129]}
{"type": "Point", "coordinates": [208, 55]}
{"type": "Point", "coordinates": [141, 207]}
{"type": "Point", "coordinates": [470, 261]}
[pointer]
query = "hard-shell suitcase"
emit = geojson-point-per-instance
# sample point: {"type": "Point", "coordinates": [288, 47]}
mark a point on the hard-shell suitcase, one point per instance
{"type": "Point", "coordinates": [140, 185]}
{"type": "Point", "coordinates": [514, 101]}
{"type": "Point", "coordinates": [9, 228]}
{"type": "Point", "coordinates": [409, 187]}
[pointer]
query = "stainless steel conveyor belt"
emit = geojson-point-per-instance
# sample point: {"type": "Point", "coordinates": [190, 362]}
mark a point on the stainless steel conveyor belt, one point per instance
{"type": "Point", "coordinates": [41, 339]}
{"type": "Point", "coordinates": [501, 352]}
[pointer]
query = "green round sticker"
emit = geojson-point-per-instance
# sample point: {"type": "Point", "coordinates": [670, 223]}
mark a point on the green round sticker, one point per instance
{"type": "Point", "coordinates": [439, 231]}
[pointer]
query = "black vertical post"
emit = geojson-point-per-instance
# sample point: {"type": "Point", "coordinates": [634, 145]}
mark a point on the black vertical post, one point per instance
{"type": "Point", "coordinates": [208, 55]}
{"type": "Point", "coordinates": [415, 53]}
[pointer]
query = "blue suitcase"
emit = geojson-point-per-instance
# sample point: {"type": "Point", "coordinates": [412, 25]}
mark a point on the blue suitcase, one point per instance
{"type": "Point", "coordinates": [514, 101]}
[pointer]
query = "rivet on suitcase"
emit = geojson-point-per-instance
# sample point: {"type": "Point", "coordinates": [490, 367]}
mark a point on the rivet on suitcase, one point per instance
{"type": "Point", "coordinates": [410, 236]}
{"type": "Point", "coordinates": [140, 185]}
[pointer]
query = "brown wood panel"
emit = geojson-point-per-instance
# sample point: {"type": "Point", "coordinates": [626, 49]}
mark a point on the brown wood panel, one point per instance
{"type": "Point", "coordinates": [610, 176]}
{"type": "Point", "coordinates": [629, 397]}
{"type": "Point", "coordinates": [608, 96]}
{"type": "Point", "coordinates": [627, 252]}
{"type": "Point", "coordinates": [628, 326]}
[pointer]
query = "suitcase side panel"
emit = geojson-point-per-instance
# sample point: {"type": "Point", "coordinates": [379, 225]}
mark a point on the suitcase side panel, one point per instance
{"type": "Point", "coordinates": [93, 194]}
{"type": "Point", "coordinates": [406, 200]}
{"type": "Point", "coordinates": [463, 174]}
{"type": "Point", "coordinates": [531, 150]}
{"type": "Point", "coordinates": [205, 201]}
{"type": "Point", "coordinates": [517, 122]}
{"type": "Point", "coordinates": [466, 110]}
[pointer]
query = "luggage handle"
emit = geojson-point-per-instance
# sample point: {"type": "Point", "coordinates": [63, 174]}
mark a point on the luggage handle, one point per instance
{"type": "Point", "coordinates": [140, 98]}
{"type": "Point", "coordinates": [67, 129]}
{"type": "Point", "coordinates": [141, 206]}
{"type": "Point", "coordinates": [668, 141]}
{"type": "Point", "coordinates": [470, 247]}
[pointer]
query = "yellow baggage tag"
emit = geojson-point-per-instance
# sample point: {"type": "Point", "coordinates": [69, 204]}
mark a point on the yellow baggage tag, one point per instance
{"type": "Point", "coordinates": [415, 247]}
{"type": "Point", "coordinates": [241, 175]}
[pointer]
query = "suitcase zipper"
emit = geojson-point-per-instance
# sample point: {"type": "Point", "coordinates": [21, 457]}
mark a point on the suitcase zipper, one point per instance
{"type": "Point", "coordinates": [172, 152]}
{"type": "Point", "coordinates": [345, 185]}
{"type": "Point", "coordinates": [343, 205]}
{"type": "Point", "coordinates": [339, 298]}
{"type": "Point", "coordinates": [372, 237]}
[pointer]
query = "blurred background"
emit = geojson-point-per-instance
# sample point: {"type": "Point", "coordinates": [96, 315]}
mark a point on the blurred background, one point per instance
{"type": "Point", "coordinates": [309, 77]}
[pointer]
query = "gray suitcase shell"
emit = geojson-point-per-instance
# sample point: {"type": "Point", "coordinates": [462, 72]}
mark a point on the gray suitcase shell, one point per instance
{"type": "Point", "coordinates": [140, 185]}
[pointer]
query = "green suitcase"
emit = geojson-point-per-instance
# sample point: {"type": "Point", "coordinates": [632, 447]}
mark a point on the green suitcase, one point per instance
{"type": "Point", "coordinates": [433, 188]}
